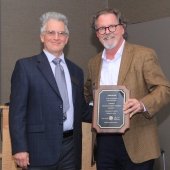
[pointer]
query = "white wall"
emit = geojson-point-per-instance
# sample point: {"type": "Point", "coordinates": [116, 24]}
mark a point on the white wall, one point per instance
{"type": "Point", "coordinates": [156, 34]}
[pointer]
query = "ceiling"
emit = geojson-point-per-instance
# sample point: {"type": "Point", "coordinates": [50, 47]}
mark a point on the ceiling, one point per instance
{"type": "Point", "coordinates": [136, 11]}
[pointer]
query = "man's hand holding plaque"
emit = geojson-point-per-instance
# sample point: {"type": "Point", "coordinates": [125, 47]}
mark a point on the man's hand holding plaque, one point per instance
{"type": "Point", "coordinates": [108, 115]}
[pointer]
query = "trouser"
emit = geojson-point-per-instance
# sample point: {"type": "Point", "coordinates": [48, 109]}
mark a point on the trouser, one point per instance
{"type": "Point", "coordinates": [112, 155]}
{"type": "Point", "coordinates": [67, 158]}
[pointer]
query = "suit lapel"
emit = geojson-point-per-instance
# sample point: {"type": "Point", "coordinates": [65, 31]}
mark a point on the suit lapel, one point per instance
{"type": "Point", "coordinates": [124, 66]}
{"type": "Point", "coordinates": [44, 67]}
{"type": "Point", "coordinates": [125, 63]}
{"type": "Point", "coordinates": [74, 81]}
{"type": "Point", "coordinates": [97, 69]}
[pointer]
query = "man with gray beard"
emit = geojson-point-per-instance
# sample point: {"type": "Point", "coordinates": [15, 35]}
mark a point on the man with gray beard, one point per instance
{"type": "Point", "coordinates": [137, 68]}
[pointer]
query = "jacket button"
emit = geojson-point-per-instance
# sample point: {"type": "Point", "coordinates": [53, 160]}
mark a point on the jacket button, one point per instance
{"type": "Point", "coordinates": [61, 106]}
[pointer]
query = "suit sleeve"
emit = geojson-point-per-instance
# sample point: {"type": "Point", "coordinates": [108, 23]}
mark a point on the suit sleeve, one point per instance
{"type": "Point", "coordinates": [86, 109]}
{"type": "Point", "coordinates": [158, 85]}
{"type": "Point", "coordinates": [88, 86]}
{"type": "Point", "coordinates": [17, 109]}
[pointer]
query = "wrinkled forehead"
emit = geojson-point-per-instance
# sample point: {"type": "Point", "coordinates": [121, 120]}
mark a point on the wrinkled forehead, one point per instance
{"type": "Point", "coordinates": [108, 18]}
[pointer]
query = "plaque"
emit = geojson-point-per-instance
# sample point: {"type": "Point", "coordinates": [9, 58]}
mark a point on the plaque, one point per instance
{"type": "Point", "coordinates": [108, 116]}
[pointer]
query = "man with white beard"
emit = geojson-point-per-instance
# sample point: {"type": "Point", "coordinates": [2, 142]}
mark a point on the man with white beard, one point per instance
{"type": "Point", "coordinates": [137, 68]}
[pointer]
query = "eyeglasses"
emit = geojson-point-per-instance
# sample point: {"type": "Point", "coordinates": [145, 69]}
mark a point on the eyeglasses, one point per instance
{"type": "Point", "coordinates": [53, 33]}
{"type": "Point", "coordinates": [111, 28]}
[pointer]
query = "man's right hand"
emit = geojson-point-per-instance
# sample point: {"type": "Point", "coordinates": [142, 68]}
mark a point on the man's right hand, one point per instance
{"type": "Point", "coordinates": [22, 159]}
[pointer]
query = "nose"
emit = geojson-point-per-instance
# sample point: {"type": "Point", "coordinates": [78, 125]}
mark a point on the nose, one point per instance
{"type": "Point", "coordinates": [107, 30]}
{"type": "Point", "coordinates": [56, 35]}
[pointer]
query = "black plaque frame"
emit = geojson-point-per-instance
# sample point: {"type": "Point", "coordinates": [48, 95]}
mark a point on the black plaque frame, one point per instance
{"type": "Point", "coordinates": [108, 116]}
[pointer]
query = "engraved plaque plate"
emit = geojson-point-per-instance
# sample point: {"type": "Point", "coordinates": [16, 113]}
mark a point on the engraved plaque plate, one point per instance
{"type": "Point", "coordinates": [108, 116]}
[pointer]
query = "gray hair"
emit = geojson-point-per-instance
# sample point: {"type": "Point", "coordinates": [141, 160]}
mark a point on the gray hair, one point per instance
{"type": "Point", "coordinates": [56, 16]}
{"type": "Point", "coordinates": [115, 12]}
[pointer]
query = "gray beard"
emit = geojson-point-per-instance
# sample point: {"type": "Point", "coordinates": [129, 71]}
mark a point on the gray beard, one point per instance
{"type": "Point", "coordinates": [108, 46]}
{"type": "Point", "coordinates": [105, 44]}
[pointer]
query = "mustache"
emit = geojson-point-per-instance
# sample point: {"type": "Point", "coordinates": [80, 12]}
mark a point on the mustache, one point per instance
{"type": "Point", "coordinates": [108, 36]}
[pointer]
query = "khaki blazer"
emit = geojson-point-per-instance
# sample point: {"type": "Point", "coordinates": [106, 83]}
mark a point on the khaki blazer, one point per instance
{"type": "Point", "coordinates": [140, 72]}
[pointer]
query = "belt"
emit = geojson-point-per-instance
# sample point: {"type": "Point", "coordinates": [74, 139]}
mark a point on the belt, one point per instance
{"type": "Point", "coordinates": [67, 133]}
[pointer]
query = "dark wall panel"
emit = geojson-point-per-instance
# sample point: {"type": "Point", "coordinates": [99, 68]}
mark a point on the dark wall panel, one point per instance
{"type": "Point", "coordinates": [20, 32]}
{"type": "Point", "coordinates": [142, 10]}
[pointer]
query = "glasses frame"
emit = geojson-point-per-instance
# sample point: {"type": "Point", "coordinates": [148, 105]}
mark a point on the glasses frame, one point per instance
{"type": "Point", "coordinates": [105, 28]}
{"type": "Point", "coordinates": [53, 33]}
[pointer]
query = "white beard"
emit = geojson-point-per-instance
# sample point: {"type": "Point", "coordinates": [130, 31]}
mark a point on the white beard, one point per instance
{"type": "Point", "coordinates": [108, 41]}
{"type": "Point", "coordinates": [108, 46]}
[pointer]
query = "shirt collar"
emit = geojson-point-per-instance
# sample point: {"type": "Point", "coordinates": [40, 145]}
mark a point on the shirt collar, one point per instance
{"type": "Point", "coordinates": [51, 57]}
{"type": "Point", "coordinates": [117, 55]}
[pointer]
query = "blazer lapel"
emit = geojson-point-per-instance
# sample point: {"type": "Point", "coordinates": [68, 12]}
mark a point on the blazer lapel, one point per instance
{"type": "Point", "coordinates": [44, 67]}
{"type": "Point", "coordinates": [74, 80]}
{"type": "Point", "coordinates": [125, 63]}
{"type": "Point", "coordinates": [97, 69]}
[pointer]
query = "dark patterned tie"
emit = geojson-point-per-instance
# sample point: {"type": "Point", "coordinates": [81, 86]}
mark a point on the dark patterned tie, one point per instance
{"type": "Point", "coordinates": [61, 82]}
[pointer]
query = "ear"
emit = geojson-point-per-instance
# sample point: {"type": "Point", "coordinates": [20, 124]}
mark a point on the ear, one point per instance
{"type": "Point", "coordinates": [122, 29]}
{"type": "Point", "coordinates": [67, 39]}
{"type": "Point", "coordinates": [42, 38]}
{"type": "Point", "coordinates": [97, 35]}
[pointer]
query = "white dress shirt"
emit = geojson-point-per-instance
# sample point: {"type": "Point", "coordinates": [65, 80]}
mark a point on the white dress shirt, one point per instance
{"type": "Point", "coordinates": [110, 68]}
{"type": "Point", "coordinates": [68, 123]}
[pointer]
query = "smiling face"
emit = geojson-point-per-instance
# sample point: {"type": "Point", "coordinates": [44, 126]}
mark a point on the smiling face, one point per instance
{"type": "Point", "coordinates": [109, 40]}
{"type": "Point", "coordinates": [54, 37]}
